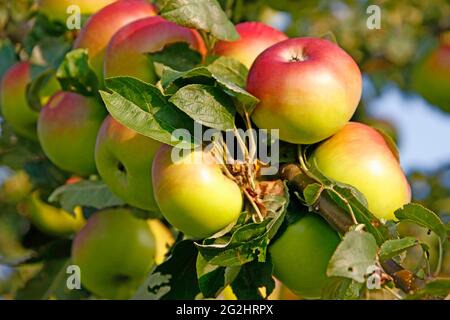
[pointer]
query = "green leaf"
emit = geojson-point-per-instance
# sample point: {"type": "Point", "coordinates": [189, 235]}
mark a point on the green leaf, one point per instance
{"type": "Point", "coordinates": [7, 56]}
{"type": "Point", "coordinates": [207, 105]}
{"type": "Point", "coordinates": [51, 51]}
{"type": "Point", "coordinates": [392, 248]}
{"type": "Point", "coordinates": [340, 288]}
{"type": "Point", "coordinates": [174, 279]}
{"type": "Point", "coordinates": [169, 75]}
{"type": "Point", "coordinates": [246, 242]}
{"type": "Point", "coordinates": [204, 15]}
{"type": "Point", "coordinates": [35, 87]}
{"type": "Point", "coordinates": [353, 256]}
{"type": "Point", "coordinates": [178, 56]}
{"type": "Point", "coordinates": [211, 278]}
{"type": "Point", "coordinates": [93, 194]}
{"type": "Point", "coordinates": [251, 277]}
{"type": "Point", "coordinates": [437, 288]}
{"type": "Point", "coordinates": [312, 193]}
{"type": "Point", "coordinates": [424, 217]}
{"type": "Point", "coordinates": [229, 70]}
{"type": "Point", "coordinates": [75, 74]}
{"type": "Point", "coordinates": [142, 107]}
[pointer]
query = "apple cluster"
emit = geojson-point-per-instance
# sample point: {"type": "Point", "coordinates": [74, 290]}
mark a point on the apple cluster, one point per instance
{"type": "Point", "coordinates": [308, 89]}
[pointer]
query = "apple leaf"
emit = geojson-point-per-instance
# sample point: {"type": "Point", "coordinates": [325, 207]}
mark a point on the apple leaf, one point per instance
{"type": "Point", "coordinates": [312, 193]}
{"type": "Point", "coordinates": [353, 256]}
{"type": "Point", "coordinates": [424, 217]}
{"type": "Point", "coordinates": [246, 241]}
{"type": "Point", "coordinates": [392, 248]}
{"type": "Point", "coordinates": [143, 108]}
{"type": "Point", "coordinates": [211, 278]}
{"type": "Point", "coordinates": [178, 56]}
{"type": "Point", "coordinates": [437, 288]}
{"type": "Point", "coordinates": [94, 194]}
{"type": "Point", "coordinates": [7, 56]}
{"type": "Point", "coordinates": [204, 15]}
{"type": "Point", "coordinates": [207, 105]}
{"type": "Point", "coordinates": [174, 279]}
{"type": "Point", "coordinates": [251, 277]}
{"type": "Point", "coordinates": [34, 88]}
{"type": "Point", "coordinates": [339, 288]}
{"type": "Point", "coordinates": [75, 74]}
{"type": "Point", "coordinates": [229, 70]}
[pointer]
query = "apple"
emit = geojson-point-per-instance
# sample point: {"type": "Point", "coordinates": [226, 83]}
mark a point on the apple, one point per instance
{"type": "Point", "coordinates": [125, 55]}
{"type": "Point", "coordinates": [163, 239]}
{"type": "Point", "coordinates": [301, 254]}
{"type": "Point", "coordinates": [124, 161]}
{"type": "Point", "coordinates": [57, 9]}
{"type": "Point", "coordinates": [360, 156]}
{"type": "Point", "coordinates": [431, 77]}
{"type": "Point", "coordinates": [99, 29]}
{"type": "Point", "coordinates": [115, 251]}
{"type": "Point", "coordinates": [255, 37]}
{"type": "Point", "coordinates": [15, 109]}
{"type": "Point", "coordinates": [192, 192]}
{"type": "Point", "coordinates": [308, 88]}
{"type": "Point", "coordinates": [49, 219]}
{"type": "Point", "coordinates": [67, 129]}
{"type": "Point", "coordinates": [16, 187]}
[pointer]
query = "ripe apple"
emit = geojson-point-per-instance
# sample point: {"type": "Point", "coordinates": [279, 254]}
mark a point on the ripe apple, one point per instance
{"type": "Point", "coordinates": [115, 251]}
{"type": "Point", "coordinates": [67, 130]}
{"type": "Point", "coordinates": [125, 55]}
{"type": "Point", "coordinates": [192, 192]}
{"type": "Point", "coordinates": [255, 37]}
{"type": "Point", "coordinates": [360, 156]}
{"type": "Point", "coordinates": [124, 161]}
{"type": "Point", "coordinates": [163, 239]}
{"type": "Point", "coordinates": [16, 187]}
{"type": "Point", "coordinates": [49, 219]}
{"type": "Point", "coordinates": [301, 254]}
{"type": "Point", "coordinates": [57, 9]}
{"type": "Point", "coordinates": [308, 88]}
{"type": "Point", "coordinates": [100, 28]}
{"type": "Point", "coordinates": [15, 108]}
{"type": "Point", "coordinates": [431, 77]}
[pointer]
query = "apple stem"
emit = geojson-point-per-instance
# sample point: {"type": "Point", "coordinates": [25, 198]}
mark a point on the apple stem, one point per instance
{"type": "Point", "coordinates": [254, 205]}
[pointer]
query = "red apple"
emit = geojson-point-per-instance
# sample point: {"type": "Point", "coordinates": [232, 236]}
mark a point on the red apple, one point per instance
{"type": "Point", "coordinates": [255, 37]}
{"type": "Point", "coordinates": [308, 88]}
{"type": "Point", "coordinates": [67, 130]}
{"type": "Point", "coordinates": [100, 28]}
{"type": "Point", "coordinates": [125, 55]}
{"type": "Point", "coordinates": [360, 156]}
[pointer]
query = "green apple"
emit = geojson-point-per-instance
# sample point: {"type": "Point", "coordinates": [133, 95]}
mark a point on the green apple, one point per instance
{"type": "Point", "coordinates": [57, 9]}
{"type": "Point", "coordinates": [49, 219]}
{"type": "Point", "coordinates": [115, 251]}
{"type": "Point", "coordinates": [16, 187]}
{"type": "Point", "coordinates": [301, 254]}
{"type": "Point", "coordinates": [15, 109]}
{"type": "Point", "coordinates": [360, 156]}
{"type": "Point", "coordinates": [308, 89]}
{"type": "Point", "coordinates": [67, 129]}
{"type": "Point", "coordinates": [99, 29]}
{"type": "Point", "coordinates": [255, 37]}
{"type": "Point", "coordinates": [431, 76]}
{"type": "Point", "coordinates": [192, 192]}
{"type": "Point", "coordinates": [126, 52]}
{"type": "Point", "coordinates": [124, 161]}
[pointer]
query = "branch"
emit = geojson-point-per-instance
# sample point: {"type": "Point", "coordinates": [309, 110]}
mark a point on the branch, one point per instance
{"type": "Point", "coordinates": [341, 222]}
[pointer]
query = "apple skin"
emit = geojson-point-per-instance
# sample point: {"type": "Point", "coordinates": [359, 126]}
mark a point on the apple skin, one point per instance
{"type": "Point", "coordinates": [431, 77]}
{"type": "Point", "coordinates": [114, 251]}
{"type": "Point", "coordinates": [124, 161]}
{"type": "Point", "coordinates": [301, 254]}
{"type": "Point", "coordinates": [255, 37]}
{"type": "Point", "coordinates": [163, 238]}
{"type": "Point", "coordinates": [16, 187]}
{"type": "Point", "coordinates": [57, 9]}
{"type": "Point", "coordinates": [308, 88]}
{"type": "Point", "coordinates": [99, 29]}
{"type": "Point", "coordinates": [193, 194]}
{"type": "Point", "coordinates": [49, 219]}
{"type": "Point", "coordinates": [15, 108]}
{"type": "Point", "coordinates": [125, 55]}
{"type": "Point", "coordinates": [359, 155]}
{"type": "Point", "coordinates": [67, 129]}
